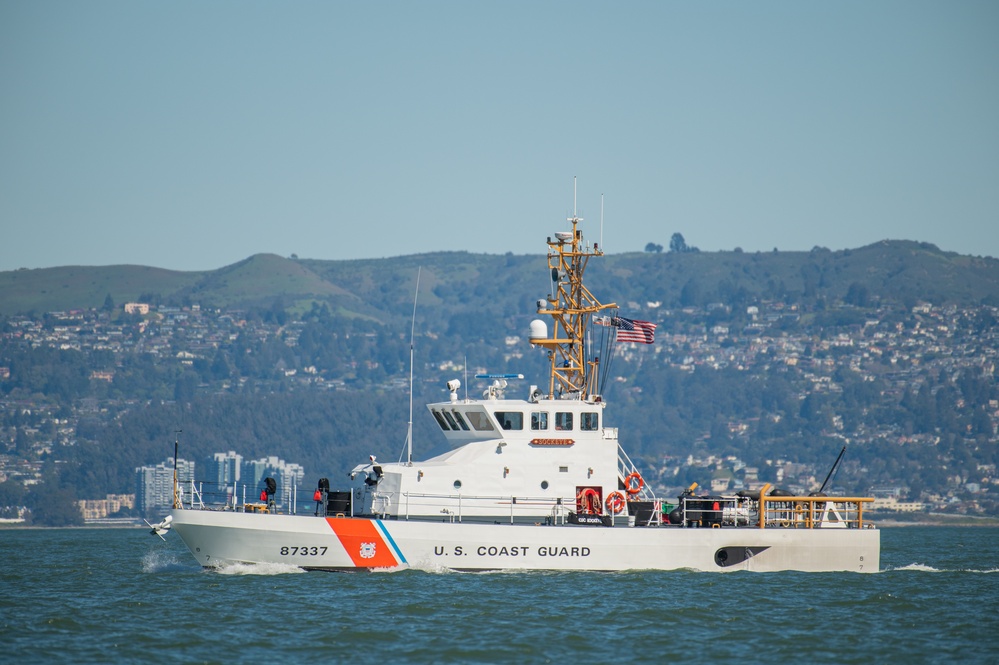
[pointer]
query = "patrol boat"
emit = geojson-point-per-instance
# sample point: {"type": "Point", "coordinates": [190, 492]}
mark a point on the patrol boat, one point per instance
{"type": "Point", "coordinates": [536, 483]}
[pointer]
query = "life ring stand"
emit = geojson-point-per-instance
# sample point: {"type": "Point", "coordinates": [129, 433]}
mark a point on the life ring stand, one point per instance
{"type": "Point", "coordinates": [615, 502]}
{"type": "Point", "coordinates": [634, 489]}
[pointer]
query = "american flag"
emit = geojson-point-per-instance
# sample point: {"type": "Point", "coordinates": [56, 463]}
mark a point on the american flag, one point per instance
{"type": "Point", "coordinates": [630, 330]}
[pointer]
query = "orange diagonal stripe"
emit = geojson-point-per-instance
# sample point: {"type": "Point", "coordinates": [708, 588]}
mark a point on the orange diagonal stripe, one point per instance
{"type": "Point", "coordinates": [364, 544]}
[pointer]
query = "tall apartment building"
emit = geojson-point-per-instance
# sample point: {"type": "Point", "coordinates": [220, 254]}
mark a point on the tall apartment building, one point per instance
{"type": "Point", "coordinates": [154, 484]}
{"type": "Point", "coordinates": [226, 478]}
{"type": "Point", "coordinates": [288, 475]}
{"type": "Point", "coordinates": [223, 468]}
{"type": "Point", "coordinates": [220, 481]}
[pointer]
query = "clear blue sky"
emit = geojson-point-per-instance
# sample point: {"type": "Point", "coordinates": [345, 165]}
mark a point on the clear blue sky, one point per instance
{"type": "Point", "coordinates": [190, 135]}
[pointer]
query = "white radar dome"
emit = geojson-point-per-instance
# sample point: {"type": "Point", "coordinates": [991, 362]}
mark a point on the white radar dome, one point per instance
{"type": "Point", "coordinates": [539, 330]}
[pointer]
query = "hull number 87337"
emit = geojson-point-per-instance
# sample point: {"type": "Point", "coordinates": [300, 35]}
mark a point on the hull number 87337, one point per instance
{"type": "Point", "coordinates": [303, 551]}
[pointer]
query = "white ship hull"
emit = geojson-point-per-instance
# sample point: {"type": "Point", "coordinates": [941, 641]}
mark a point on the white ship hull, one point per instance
{"type": "Point", "coordinates": [220, 538]}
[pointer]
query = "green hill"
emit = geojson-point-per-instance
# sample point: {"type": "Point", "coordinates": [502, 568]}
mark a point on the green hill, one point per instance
{"type": "Point", "coordinates": [896, 271]}
{"type": "Point", "coordinates": [71, 287]}
{"type": "Point", "coordinates": [500, 285]}
{"type": "Point", "coordinates": [258, 280]}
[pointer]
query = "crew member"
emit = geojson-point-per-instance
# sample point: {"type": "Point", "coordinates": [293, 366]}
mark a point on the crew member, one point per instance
{"type": "Point", "coordinates": [318, 498]}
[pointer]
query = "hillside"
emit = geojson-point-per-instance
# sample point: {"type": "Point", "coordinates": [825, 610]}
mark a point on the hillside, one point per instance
{"type": "Point", "coordinates": [85, 287]}
{"type": "Point", "coordinates": [379, 289]}
{"type": "Point", "coordinates": [765, 364]}
{"type": "Point", "coordinates": [896, 271]}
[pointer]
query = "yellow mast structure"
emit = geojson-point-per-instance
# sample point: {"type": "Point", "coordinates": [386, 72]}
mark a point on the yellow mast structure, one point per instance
{"type": "Point", "coordinates": [570, 305]}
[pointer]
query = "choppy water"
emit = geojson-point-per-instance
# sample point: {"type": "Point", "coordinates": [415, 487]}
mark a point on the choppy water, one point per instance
{"type": "Point", "coordinates": [120, 595]}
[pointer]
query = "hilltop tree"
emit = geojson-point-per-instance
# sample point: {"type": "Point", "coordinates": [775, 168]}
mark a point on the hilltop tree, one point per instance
{"type": "Point", "coordinates": [677, 243]}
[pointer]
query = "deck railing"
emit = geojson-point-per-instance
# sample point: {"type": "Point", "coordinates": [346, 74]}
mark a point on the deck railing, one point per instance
{"type": "Point", "coordinates": [207, 495]}
{"type": "Point", "coordinates": [457, 507]}
{"type": "Point", "coordinates": [811, 512]}
{"type": "Point", "coordinates": [625, 467]}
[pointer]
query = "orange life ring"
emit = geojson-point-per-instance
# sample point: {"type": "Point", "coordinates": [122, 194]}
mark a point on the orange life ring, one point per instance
{"type": "Point", "coordinates": [634, 489]}
{"type": "Point", "coordinates": [615, 502]}
{"type": "Point", "coordinates": [589, 501]}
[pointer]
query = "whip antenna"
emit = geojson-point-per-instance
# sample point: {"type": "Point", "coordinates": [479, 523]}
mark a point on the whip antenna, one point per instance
{"type": "Point", "coordinates": [829, 475]}
{"type": "Point", "coordinates": [601, 221]}
{"type": "Point", "coordinates": [412, 337]}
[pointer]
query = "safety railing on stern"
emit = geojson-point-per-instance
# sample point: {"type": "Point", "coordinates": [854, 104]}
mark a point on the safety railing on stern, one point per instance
{"type": "Point", "coordinates": [812, 512]}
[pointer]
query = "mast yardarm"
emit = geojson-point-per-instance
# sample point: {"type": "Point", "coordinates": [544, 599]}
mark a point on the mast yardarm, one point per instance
{"type": "Point", "coordinates": [570, 305]}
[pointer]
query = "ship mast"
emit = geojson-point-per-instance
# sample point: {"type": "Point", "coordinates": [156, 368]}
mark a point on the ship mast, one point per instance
{"type": "Point", "coordinates": [570, 305]}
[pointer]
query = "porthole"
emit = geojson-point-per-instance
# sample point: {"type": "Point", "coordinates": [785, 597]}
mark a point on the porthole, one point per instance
{"type": "Point", "coordinates": [544, 484]}
{"type": "Point", "coordinates": [457, 484]}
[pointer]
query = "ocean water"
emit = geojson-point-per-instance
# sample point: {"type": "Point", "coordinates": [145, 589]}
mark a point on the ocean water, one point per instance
{"type": "Point", "coordinates": [123, 596]}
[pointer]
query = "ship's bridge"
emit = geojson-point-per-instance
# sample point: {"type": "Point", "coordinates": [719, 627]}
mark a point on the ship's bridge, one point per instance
{"type": "Point", "coordinates": [539, 422]}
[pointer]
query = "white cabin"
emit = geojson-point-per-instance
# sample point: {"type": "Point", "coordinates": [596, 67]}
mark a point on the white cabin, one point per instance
{"type": "Point", "coordinates": [516, 460]}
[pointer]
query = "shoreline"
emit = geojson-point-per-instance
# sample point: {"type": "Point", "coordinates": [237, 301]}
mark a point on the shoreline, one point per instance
{"type": "Point", "coordinates": [932, 519]}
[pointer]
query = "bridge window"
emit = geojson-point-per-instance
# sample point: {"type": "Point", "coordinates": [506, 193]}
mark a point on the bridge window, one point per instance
{"type": "Point", "coordinates": [510, 419]}
{"type": "Point", "coordinates": [479, 421]}
{"type": "Point", "coordinates": [440, 420]}
{"type": "Point", "coordinates": [539, 420]}
{"type": "Point", "coordinates": [589, 422]}
{"type": "Point", "coordinates": [450, 420]}
{"type": "Point", "coordinates": [563, 421]}
{"type": "Point", "coordinates": [461, 422]}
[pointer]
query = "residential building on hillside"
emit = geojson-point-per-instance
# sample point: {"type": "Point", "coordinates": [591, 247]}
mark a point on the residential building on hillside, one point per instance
{"type": "Point", "coordinates": [97, 509]}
